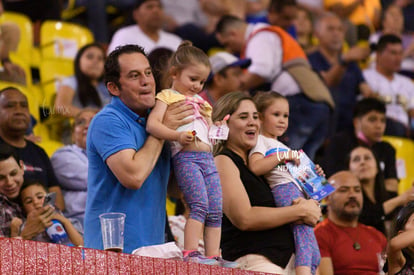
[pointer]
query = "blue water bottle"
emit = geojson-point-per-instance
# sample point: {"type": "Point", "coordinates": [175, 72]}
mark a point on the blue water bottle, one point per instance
{"type": "Point", "coordinates": [57, 233]}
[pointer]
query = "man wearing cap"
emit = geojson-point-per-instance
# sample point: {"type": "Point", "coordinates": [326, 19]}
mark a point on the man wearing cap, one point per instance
{"type": "Point", "coordinates": [147, 32]}
{"type": "Point", "coordinates": [226, 70]}
{"type": "Point", "coordinates": [279, 62]}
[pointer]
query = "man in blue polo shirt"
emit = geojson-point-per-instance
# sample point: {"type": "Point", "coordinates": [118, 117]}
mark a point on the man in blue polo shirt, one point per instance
{"type": "Point", "coordinates": [128, 169]}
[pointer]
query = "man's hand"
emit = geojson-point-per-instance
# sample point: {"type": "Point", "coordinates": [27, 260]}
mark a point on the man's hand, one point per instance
{"type": "Point", "coordinates": [37, 221]}
{"type": "Point", "coordinates": [177, 113]}
{"type": "Point", "coordinates": [356, 54]}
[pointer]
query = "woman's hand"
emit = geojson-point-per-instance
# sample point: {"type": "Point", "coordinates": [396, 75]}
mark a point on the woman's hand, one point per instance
{"type": "Point", "coordinates": [310, 211]}
{"type": "Point", "coordinates": [177, 113]}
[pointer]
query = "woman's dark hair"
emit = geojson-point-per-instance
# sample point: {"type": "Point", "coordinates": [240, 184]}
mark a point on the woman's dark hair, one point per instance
{"type": "Point", "coordinates": [380, 192]}
{"type": "Point", "coordinates": [227, 105]}
{"type": "Point", "coordinates": [399, 224]}
{"type": "Point", "coordinates": [158, 59]}
{"type": "Point", "coordinates": [87, 93]}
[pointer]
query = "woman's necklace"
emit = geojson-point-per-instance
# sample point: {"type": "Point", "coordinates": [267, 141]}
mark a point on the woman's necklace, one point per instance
{"type": "Point", "coordinates": [356, 244]}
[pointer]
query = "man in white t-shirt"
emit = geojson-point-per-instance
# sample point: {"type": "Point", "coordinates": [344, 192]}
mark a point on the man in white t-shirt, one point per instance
{"type": "Point", "coordinates": [396, 90]}
{"type": "Point", "coordinates": [147, 33]}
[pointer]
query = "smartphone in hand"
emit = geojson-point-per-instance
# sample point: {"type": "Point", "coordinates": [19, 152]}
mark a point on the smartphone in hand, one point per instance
{"type": "Point", "coordinates": [50, 198]}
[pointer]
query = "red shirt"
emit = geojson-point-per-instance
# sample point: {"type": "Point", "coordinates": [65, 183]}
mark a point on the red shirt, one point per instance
{"type": "Point", "coordinates": [336, 242]}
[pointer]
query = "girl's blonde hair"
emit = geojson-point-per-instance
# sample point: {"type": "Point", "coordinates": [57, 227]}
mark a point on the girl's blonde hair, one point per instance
{"type": "Point", "coordinates": [264, 99]}
{"type": "Point", "coordinates": [227, 105]}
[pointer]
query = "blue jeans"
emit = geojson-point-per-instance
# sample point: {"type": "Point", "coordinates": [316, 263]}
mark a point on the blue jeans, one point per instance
{"type": "Point", "coordinates": [308, 124]}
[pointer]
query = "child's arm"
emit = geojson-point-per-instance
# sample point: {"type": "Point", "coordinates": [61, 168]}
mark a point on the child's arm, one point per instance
{"type": "Point", "coordinates": [260, 165]}
{"type": "Point", "coordinates": [396, 259]}
{"type": "Point", "coordinates": [156, 128]}
{"type": "Point", "coordinates": [73, 234]}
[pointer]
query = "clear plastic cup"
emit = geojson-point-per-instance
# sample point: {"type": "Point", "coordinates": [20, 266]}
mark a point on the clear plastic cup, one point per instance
{"type": "Point", "coordinates": [112, 226]}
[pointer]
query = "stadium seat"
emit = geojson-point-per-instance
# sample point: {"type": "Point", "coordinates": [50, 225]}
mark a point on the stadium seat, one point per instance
{"type": "Point", "coordinates": [52, 72]}
{"type": "Point", "coordinates": [26, 51]}
{"type": "Point", "coordinates": [405, 161]}
{"type": "Point", "coordinates": [62, 39]}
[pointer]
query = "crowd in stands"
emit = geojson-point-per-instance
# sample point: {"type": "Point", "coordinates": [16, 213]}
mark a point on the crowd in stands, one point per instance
{"type": "Point", "coordinates": [132, 120]}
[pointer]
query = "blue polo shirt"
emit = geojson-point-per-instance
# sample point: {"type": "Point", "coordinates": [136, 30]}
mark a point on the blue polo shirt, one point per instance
{"type": "Point", "coordinates": [113, 129]}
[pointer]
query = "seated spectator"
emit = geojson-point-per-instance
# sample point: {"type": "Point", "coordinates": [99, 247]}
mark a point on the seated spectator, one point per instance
{"type": "Point", "coordinates": [378, 209]}
{"type": "Point", "coordinates": [392, 22]}
{"type": "Point", "coordinates": [339, 69]}
{"type": "Point", "coordinates": [369, 126]}
{"type": "Point", "coordinates": [282, 13]}
{"type": "Point", "coordinates": [204, 37]}
{"type": "Point", "coordinates": [279, 61]}
{"type": "Point", "coordinates": [97, 18]}
{"type": "Point", "coordinates": [147, 32]}
{"type": "Point", "coordinates": [304, 30]}
{"type": "Point", "coordinates": [32, 196]}
{"type": "Point", "coordinates": [347, 246]}
{"type": "Point", "coordinates": [358, 12]}
{"type": "Point", "coordinates": [11, 214]}
{"type": "Point", "coordinates": [225, 76]}
{"type": "Point", "coordinates": [396, 90]}
{"type": "Point", "coordinates": [255, 232]}
{"type": "Point", "coordinates": [70, 164]}
{"type": "Point", "coordinates": [14, 122]}
{"type": "Point", "coordinates": [85, 88]}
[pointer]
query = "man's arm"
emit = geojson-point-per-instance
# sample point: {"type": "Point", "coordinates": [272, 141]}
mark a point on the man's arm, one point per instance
{"type": "Point", "coordinates": [132, 167]}
{"type": "Point", "coordinates": [251, 81]}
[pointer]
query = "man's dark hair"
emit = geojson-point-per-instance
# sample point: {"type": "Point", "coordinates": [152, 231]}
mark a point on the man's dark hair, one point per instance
{"type": "Point", "coordinates": [6, 151]}
{"type": "Point", "coordinates": [277, 6]}
{"type": "Point", "coordinates": [227, 21]}
{"type": "Point", "coordinates": [112, 69]}
{"type": "Point", "coordinates": [387, 39]}
{"type": "Point", "coordinates": [367, 105]}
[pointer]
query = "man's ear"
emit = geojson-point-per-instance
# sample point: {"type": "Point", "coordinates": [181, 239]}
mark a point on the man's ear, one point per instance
{"type": "Point", "coordinates": [113, 89]}
{"type": "Point", "coordinates": [21, 164]}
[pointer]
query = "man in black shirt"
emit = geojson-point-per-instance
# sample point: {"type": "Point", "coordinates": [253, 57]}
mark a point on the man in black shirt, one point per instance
{"type": "Point", "coordinates": [14, 122]}
{"type": "Point", "coordinates": [369, 126]}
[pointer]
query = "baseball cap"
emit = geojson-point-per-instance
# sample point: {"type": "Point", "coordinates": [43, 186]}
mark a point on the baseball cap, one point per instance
{"type": "Point", "coordinates": [222, 60]}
